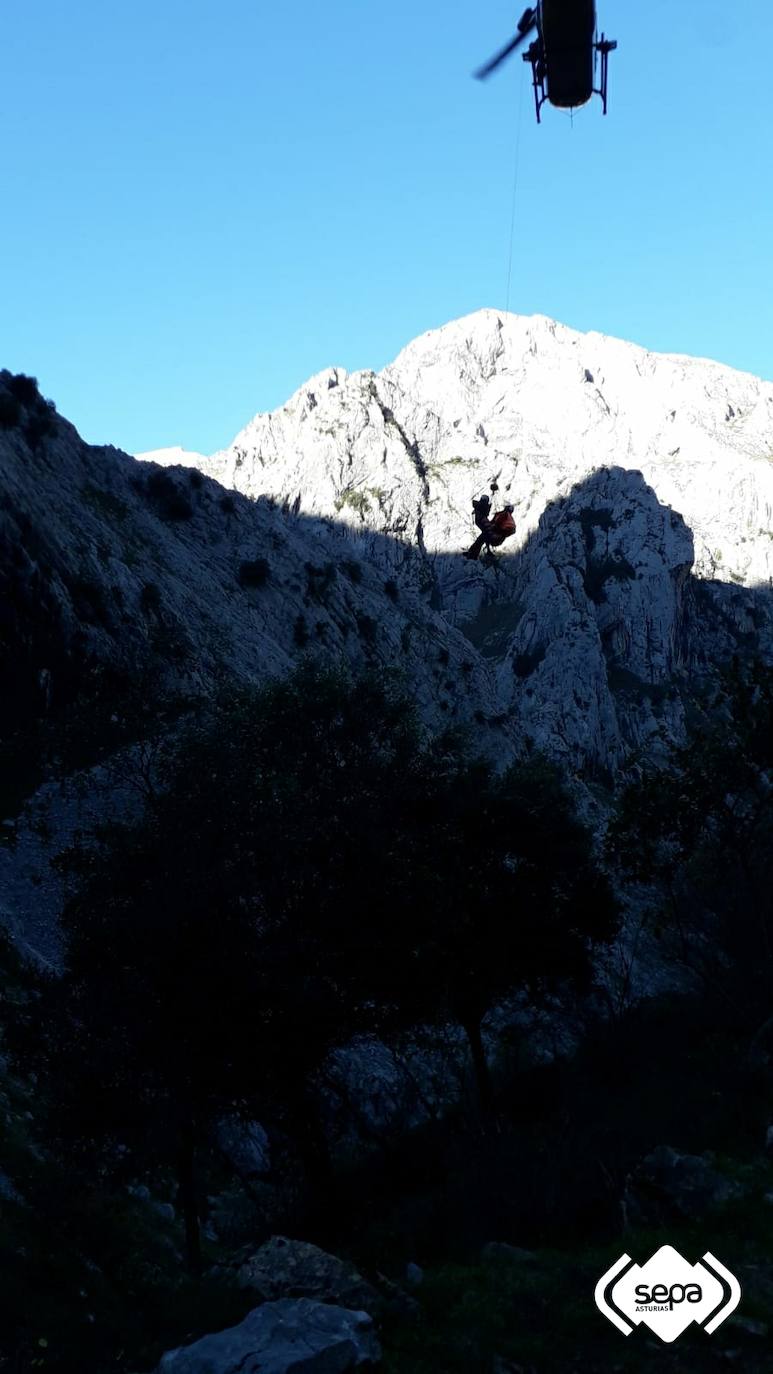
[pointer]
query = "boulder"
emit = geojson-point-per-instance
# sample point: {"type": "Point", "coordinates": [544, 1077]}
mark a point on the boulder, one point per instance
{"type": "Point", "coordinates": [667, 1184]}
{"type": "Point", "coordinates": [246, 1145]}
{"type": "Point", "coordinates": [284, 1268]}
{"type": "Point", "coordinates": [285, 1337]}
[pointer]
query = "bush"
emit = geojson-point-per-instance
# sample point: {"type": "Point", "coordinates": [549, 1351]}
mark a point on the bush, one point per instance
{"type": "Point", "coordinates": [227, 505]}
{"type": "Point", "coordinates": [88, 601]}
{"type": "Point", "coordinates": [10, 410]}
{"type": "Point", "coordinates": [367, 627]}
{"type": "Point", "coordinates": [607, 570]}
{"type": "Point", "coordinates": [39, 424]}
{"type": "Point", "coordinates": [150, 598]}
{"type": "Point", "coordinates": [319, 580]}
{"type": "Point", "coordinates": [254, 572]}
{"type": "Point", "coordinates": [391, 589]}
{"type": "Point", "coordinates": [301, 631]}
{"type": "Point", "coordinates": [357, 500]}
{"type": "Point", "coordinates": [24, 388]}
{"type": "Point", "coordinates": [21, 392]}
{"type": "Point", "coordinates": [353, 569]}
{"type": "Point", "coordinates": [525, 664]}
{"type": "Point", "coordinates": [171, 502]}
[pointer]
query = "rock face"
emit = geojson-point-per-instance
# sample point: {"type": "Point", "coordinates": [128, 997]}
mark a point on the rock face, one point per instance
{"type": "Point", "coordinates": [296, 1269]}
{"type": "Point", "coordinates": [246, 1145]}
{"type": "Point", "coordinates": [629, 471]}
{"type": "Point", "coordinates": [643, 488]}
{"type": "Point", "coordinates": [121, 582]}
{"type": "Point", "coordinates": [286, 1337]}
{"type": "Point", "coordinates": [668, 1185]}
{"type": "Point", "coordinates": [534, 407]}
{"type": "Point", "coordinates": [111, 564]}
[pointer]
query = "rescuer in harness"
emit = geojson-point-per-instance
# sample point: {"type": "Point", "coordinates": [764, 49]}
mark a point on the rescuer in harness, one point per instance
{"type": "Point", "coordinates": [493, 532]}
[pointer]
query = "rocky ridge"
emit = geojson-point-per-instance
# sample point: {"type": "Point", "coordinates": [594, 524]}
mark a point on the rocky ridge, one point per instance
{"type": "Point", "coordinates": [643, 489]}
{"type": "Point", "coordinates": [334, 527]}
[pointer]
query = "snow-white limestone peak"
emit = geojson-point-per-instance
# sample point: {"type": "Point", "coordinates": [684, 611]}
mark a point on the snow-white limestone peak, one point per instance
{"type": "Point", "coordinates": [533, 407]}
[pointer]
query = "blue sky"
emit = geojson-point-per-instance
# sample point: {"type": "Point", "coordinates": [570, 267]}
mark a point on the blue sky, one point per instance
{"type": "Point", "coordinates": [206, 202]}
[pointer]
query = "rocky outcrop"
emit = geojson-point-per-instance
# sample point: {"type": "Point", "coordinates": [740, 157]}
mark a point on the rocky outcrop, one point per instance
{"type": "Point", "coordinates": [643, 488]}
{"type": "Point", "coordinates": [334, 527]}
{"type": "Point", "coordinates": [533, 408]}
{"type": "Point", "coordinates": [296, 1269]}
{"type": "Point", "coordinates": [285, 1337]}
{"type": "Point", "coordinates": [668, 1186]}
{"type": "Point", "coordinates": [245, 1145]}
{"type": "Point", "coordinates": [602, 644]}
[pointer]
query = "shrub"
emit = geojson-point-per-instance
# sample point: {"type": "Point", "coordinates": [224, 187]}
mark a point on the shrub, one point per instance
{"type": "Point", "coordinates": [150, 597]}
{"type": "Point", "coordinates": [10, 410]}
{"type": "Point", "coordinates": [608, 570]}
{"type": "Point", "coordinates": [319, 580]}
{"type": "Point", "coordinates": [357, 500]}
{"type": "Point", "coordinates": [525, 664]}
{"type": "Point", "coordinates": [254, 572]}
{"type": "Point", "coordinates": [88, 601]}
{"type": "Point", "coordinates": [24, 388]}
{"type": "Point", "coordinates": [301, 631]}
{"type": "Point", "coordinates": [353, 569]}
{"type": "Point", "coordinates": [227, 505]}
{"type": "Point", "coordinates": [39, 424]}
{"type": "Point", "coordinates": [367, 627]}
{"type": "Point", "coordinates": [195, 478]}
{"type": "Point", "coordinates": [171, 502]}
{"type": "Point", "coordinates": [391, 589]}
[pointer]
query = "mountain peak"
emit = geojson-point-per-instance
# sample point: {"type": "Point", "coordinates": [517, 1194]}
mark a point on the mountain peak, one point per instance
{"type": "Point", "coordinates": [530, 406]}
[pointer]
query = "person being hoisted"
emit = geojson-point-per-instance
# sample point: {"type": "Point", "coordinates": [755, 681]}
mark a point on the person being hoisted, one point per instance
{"type": "Point", "coordinates": [493, 532]}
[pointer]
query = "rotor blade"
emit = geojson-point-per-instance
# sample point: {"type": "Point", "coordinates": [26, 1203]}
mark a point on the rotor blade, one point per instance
{"type": "Point", "coordinates": [491, 66]}
{"type": "Point", "coordinates": [527, 21]}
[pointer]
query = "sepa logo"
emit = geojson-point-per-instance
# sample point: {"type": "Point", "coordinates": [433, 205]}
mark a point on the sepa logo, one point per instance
{"type": "Point", "coordinates": [667, 1293]}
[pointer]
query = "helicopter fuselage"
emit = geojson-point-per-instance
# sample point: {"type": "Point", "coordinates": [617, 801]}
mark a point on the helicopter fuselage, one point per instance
{"type": "Point", "coordinates": [568, 28]}
{"type": "Point", "coordinates": [563, 53]}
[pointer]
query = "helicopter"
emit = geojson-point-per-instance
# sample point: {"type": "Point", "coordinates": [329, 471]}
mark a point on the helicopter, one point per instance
{"type": "Point", "coordinates": [563, 54]}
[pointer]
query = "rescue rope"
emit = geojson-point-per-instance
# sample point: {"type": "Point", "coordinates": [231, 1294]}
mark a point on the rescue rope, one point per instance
{"type": "Point", "coordinates": [515, 192]}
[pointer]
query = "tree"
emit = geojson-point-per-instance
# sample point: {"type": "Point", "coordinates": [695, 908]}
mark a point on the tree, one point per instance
{"type": "Point", "coordinates": [517, 901]}
{"type": "Point", "coordinates": [215, 949]}
{"type": "Point", "coordinates": [427, 886]}
{"type": "Point", "coordinates": [700, 832]}
{"type": "Point", "coordinates": [310, 866]}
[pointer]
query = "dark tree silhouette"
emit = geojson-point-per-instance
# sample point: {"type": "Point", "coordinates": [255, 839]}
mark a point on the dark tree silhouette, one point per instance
{"type": "Point", "coordinates": [517, 900]}
{"type": "Point", "coordinates": [700, 831]}
{"type": "Point", "coordinates": [310, 866]}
